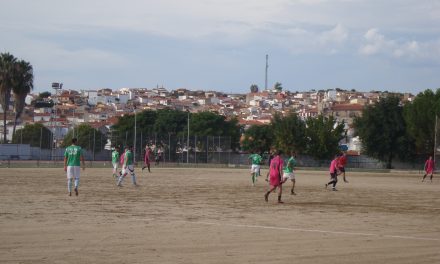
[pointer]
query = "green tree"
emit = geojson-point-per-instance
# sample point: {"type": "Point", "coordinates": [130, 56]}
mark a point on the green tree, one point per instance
{"type": "Point", "coordinates": [170, 121]}
{"type": "Point", "coordinates": [7, 73]}
{"type": "Point", "coordinates": [87, 136]}
{"type": "Point", "coordinates": [257, 138]}
{"type": "Point", "coordinates": [289, 133]}
{"type": "Point", "coordinates": [254, 88]}
{"type": "Point", "coordinates": [123, 130]}
{"type": "Point", "coordinates": [233, 129]}
{"type": "Point", "coordinates": [420, 119]}
{"type": "Point", "coordinates": [382, 130]}
{"type": "Point", "coordinates": [212, 124]}
{"type": "Point", "coordinates": [23, 83]}
{"type": "Point", "coordinates": [45, 94]}
{"type": "Point", "coordinates": [35, 135]}
{"type": "Point", "coordinates": [278, 86]}
{"type": "Point", "coordinates": [207, 124]}
{"type": "Point", "coordinates": [323, 136]}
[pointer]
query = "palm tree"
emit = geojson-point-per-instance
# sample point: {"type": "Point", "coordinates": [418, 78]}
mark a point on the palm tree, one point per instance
{"type": "Point", "coordinates": [7, 69]}
{"type": "Point", "coordinates": [23, 84]}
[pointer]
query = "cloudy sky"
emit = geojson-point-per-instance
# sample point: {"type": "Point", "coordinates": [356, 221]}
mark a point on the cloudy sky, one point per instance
{"type": "Point", "coordinates": [221, 45]}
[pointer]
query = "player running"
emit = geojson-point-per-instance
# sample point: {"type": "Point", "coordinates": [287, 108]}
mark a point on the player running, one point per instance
{"type": "Point", "coordinates": [289, 171]}
{"type": "Point", "coordinates": [333, 173]}
{"type": "Point", "coordinates": [429, 168]}
{"type": "Point", "coordinates": [72, 157]}
{"type": "Point", "coordinates": [115, 161]}
{"type": "Point", "coordinates": [255, 160]}
{"type": "Point", "coordinates": [342, 161]}
{"type": "Point", "coordinates": [276, 168]}
{"type": "Point", "coordinates": [127, 167]}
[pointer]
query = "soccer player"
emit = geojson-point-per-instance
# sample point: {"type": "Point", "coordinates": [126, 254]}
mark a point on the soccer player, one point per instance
{"type": "Point", "coordinates": [271, 155]}
{"type": "Point", "coordinates": [255, 160]}
{"type": "Point", "coordinates": [158, 155]}
{"type": "Point", "coordinates": [276, 167]}
{"type": "Point", "coordinates": [115, 161]}
{"type": "Point", "coordinates": [429, 168]}
{"type": "Point", "coordinates": [289, 171]}
{"type": "Point", "coordinates": [342, 161]}
{"type": "Point", "coordinates": [127, 167]}
{"type": "Point", "coordinates": [333, 173]}
{"type": "Point", "coordinates": [147, 158]}
{"type": "Point", "coordinates": [72, 157]}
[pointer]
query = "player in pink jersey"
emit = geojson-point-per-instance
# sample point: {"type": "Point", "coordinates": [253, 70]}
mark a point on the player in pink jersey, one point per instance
{"type": "Point", "coordinates": [147, 158]}
{"type": "Point", "coordinates": [275, 176]}
{"type": "Point", "coordinates": [429, 168]}
{"type": "Point", "coordinates": [333, 173]}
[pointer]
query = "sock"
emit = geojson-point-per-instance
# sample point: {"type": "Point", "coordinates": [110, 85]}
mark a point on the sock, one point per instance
{"type": "Point", "coordinates": [76, 183]}
{"type": "Point", "coordinates": [133, 178]}
{"type": "Point", "coordinates": [69, 185]}
{"type": "Point", "coordinates": [120, 179]}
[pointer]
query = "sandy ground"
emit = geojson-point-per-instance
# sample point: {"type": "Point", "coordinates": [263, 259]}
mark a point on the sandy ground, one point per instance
{"type": "Point", "coordinates": [216, 216]}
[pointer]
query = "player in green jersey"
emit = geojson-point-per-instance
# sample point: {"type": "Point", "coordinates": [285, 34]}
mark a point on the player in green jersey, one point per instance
{"type": "Point", "coordinates": [255, 160]}
{"type": "Point", "coordinates": [289, 171]}
{"type": "Point", "coordinates": [72, 158]}
{"type": "Point", "coordinates": [115, 161]}
{"type": "Point", "coordinates": [128, 166]}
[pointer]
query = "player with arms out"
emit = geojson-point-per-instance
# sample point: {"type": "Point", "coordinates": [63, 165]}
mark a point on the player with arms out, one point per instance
{"type": "Point", "coordinates": [127, 166]}
{"type": "Point", "coordinates": [255, 160]}
{"type": "Point", "coordinates": [72, 158]}
{"type": "Point", "coordinates": [276, 168]}
{"type": "Point", "coordinates": [429, 168]}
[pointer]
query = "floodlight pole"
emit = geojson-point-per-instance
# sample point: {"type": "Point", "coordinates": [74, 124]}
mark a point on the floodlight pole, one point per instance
{"type": "Point", "coordinates": [134, 148]}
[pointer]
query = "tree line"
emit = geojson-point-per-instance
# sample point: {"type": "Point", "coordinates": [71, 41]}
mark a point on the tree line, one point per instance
{"type": "Point", "coordinates": [318, 136]}
{"type": "Point", "coordinates": [390, 129]}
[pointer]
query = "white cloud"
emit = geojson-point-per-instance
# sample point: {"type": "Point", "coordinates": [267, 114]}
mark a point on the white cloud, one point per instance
{"type": "Point", "coordinates": [377, 44]}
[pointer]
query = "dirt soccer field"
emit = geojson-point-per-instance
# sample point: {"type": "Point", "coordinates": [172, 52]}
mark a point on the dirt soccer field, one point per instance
{"type": "Point", "coordinates": [216, 216]}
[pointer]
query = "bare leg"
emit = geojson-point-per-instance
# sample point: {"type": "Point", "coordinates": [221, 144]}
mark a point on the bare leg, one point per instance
{"type": "Point", "coordinates": [279, 194]}
{"type": "Point", "coordinates": [345, 180]}
{"type": "Point", "coordinates": [266, 196]}
{"type": "Point", "coordinates": [293, 188]}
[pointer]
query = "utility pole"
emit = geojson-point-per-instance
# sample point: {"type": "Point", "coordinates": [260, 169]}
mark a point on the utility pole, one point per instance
{"type": "Point", "coordinates": [267, 66]}
{"type": "Point", "coordinates": [187, 143]}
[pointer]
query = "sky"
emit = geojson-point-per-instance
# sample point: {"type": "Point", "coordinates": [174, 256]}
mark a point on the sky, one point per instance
{"type": "Point", "coordinates": [221, 45]}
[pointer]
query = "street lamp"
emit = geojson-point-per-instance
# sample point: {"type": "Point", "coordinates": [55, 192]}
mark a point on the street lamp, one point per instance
{"type": "Point", "coordinates": [56, 86]}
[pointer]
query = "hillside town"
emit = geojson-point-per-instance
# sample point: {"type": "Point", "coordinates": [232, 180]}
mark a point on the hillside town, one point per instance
{"type": "Point", "coordinates": [63, 109]}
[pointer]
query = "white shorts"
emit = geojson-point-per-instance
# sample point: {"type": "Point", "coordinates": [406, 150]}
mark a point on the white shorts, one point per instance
{"type": "Point", "coordinates": [129, 169]}
{"type": "Point", "coordinates": [115, 166]}
{"type": "Point", "coordinates": [289, 175]}
{"type": "Point", "coordinates": [73, 172]}
{"type": "Point", "coordinates": [255, 168]}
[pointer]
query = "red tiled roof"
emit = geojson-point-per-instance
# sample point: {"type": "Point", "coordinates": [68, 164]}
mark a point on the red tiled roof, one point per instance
{"type": "Point", "coordinates": [347, 107]}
